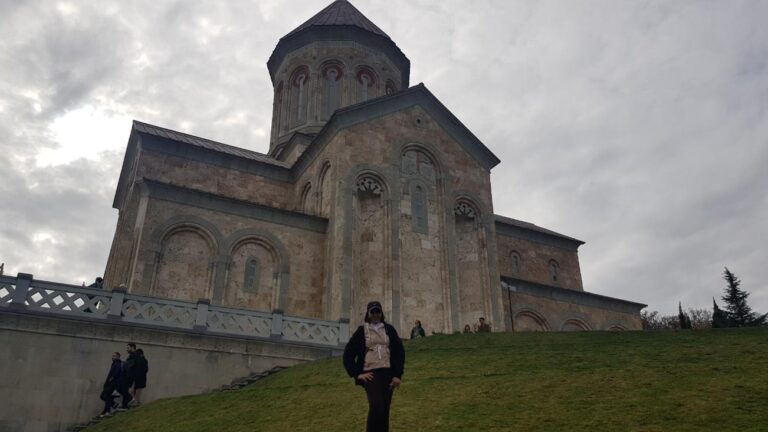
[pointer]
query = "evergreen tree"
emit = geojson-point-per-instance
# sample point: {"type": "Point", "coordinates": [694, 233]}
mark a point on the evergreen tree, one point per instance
{"type": "Point", "coordinates": [719, 317]}
{"type": "Point", "coordinates": [739, 313]}
{"type": "Point", "coordinates": [685, 322]}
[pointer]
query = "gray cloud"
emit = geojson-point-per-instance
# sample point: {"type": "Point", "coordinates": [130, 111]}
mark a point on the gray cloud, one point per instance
{"type": "Point", "coordinates": [639, 127]}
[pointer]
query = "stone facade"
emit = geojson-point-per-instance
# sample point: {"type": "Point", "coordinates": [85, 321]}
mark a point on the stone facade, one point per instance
{"type": "Point", "coordinates": [70, 357]}
{"type": "Point", "coordinates": [371, 190]}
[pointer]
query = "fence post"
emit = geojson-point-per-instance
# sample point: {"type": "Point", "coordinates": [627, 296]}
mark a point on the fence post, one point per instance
{"type": "Point", "coordinates": [116, 303]}
{"type": "Point", "coordinates": [276, 331]}
{"type": "Point", "coordinates": [201, 319]}
{"type": "Point", "coordinates": [19, 299]}
{"type": "Point", "coordinates": [343, 330]}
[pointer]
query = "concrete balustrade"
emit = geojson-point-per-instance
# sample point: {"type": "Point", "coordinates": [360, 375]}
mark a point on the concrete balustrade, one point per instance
{"type": "Point", "coordinates": [24, 293]}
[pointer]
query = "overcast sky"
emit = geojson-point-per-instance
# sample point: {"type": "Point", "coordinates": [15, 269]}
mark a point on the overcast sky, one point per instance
{"type": "Point", "coordinates": [640, 127]}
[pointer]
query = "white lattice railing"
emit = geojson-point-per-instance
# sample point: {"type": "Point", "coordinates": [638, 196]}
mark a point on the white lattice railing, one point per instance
{"type": "Point", "coordinates": [148, 310]}
{"type": "Point", "coordinates": [7, 288]}
{"type": "Point", "coordinates": [23, 293]}
{"type": "Point", "coordinates": [238, 321]}
{"type": "Point", "coordinates": [320, 332]}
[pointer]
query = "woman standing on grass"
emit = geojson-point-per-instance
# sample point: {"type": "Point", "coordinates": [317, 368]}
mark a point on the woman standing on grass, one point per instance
{"type": "Point", "coordinates": [375, 358]}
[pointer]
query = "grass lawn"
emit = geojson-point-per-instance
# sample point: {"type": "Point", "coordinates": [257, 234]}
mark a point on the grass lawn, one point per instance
{"type": "Point", "coordinates": [714, 380]}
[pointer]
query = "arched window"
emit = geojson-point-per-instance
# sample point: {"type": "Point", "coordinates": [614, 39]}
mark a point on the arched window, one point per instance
{"type": "Point", "coordinates": [366, 80]}
{"type": "Point", "coordinates": [415, 162]}
{"type": "Point", "coordinates": [251, 283]}
{"type": "Point", "coordinates": [299, 81]}
{"type": "Point", "coordinates": [390, 88]}
{"type": "Point", "coordinates": [554, 270]}
{"type": "Point", "coordinates": [419, 210]}
{"type": "Point", "coordinates": [277, 109]}
{"type": "Point", "coordinates": [332, 74]}
{"type": "Point", "coordinates": [516, 262]}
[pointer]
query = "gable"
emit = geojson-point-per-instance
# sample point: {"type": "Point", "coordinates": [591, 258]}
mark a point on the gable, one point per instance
{"type": "Point", "coordinates": [383, 106]}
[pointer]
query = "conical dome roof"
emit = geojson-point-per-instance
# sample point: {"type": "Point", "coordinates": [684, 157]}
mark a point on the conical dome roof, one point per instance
{"type": "Point", "coordinates": [340, 13]}
{"type": "Point", "coordinates": [340, 21]}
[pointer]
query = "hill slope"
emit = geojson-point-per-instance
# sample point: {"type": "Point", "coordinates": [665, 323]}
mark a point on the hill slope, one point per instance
{"type": "Point", "coordinates": [597, 381]}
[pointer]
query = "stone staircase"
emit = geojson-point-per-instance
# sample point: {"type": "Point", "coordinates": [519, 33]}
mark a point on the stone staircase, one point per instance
{"type": "Point", "coordinates": [234, 385]}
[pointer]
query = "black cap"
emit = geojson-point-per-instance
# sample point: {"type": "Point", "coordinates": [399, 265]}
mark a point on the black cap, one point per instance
{"type": "Point", "coordinates": [374, 305]}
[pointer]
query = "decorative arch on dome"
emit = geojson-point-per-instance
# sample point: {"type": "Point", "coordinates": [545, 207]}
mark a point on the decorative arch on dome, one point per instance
{"type": "Point", "coordinates": [277, 107]}
{"type": "Point", "coordinates": [366, 82]}
{"type": "Point", "coordinates": [331, 73]}
{"type": "Point", "coordinates": [299, 95]}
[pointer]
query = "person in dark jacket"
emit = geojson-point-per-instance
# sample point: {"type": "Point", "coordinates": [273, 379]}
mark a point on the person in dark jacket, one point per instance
{"type": "Point", "coordinates": [111, 383]}
{"type": "Point", "coordinates": [417, 331]}
{"type": "Point", "coordinates": [140, 376]}
{"type": "Point", "coordinates": [129, 371]}
{"type": "Point", "coordinates": [375, 358]}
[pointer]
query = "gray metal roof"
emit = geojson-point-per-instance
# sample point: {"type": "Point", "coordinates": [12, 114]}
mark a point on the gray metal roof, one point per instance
{"type": "Point", "coordinates": [531, 227]}
{"type": "Point", "coordinates": [340, 13]}
{"type": "Point", "coordinates": [206, 143]}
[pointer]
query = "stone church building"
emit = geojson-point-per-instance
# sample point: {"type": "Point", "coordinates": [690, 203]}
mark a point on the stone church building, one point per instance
{"type": "Point", "coordinates": [372, 190]}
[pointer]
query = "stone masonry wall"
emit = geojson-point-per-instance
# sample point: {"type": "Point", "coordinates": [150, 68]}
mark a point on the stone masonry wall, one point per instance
{"type": "Point", "coordinates": [52, 370]}
{"type": "Point", "coordinates": [532, 313]}
{"type": "Point", "coordinates": [214, 179]}
{"type": "Point", "coordinates": [302, 249]}
{"type": "Point", "coordinates": [376, 146]}
{"type": "Point", "coordinates": [534, 262]}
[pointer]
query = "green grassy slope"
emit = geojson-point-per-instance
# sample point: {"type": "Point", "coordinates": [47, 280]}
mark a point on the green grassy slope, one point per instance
{"type": "Point", "coordinates": [597, 381]}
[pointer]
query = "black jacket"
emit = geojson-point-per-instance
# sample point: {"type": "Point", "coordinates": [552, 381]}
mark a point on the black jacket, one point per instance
{"type": "Point", "coordinates": [115, 373]}
{"type": "Point", "coordinates": [354, 353]}
{"type": "Point", "coordinates": [141, 368]}
{"type": "Point", "coordinates": [130, 367]}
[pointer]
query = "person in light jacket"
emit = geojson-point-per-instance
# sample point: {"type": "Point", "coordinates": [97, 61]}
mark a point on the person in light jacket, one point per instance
{"type": "Point", "coordinates": [375, 358]}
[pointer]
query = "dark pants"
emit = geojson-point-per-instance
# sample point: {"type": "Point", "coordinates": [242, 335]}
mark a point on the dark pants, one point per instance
{"type": "Point", "coordinates": [124, 393]}
{"type": "Point", "coordinates": [106, 396]}
{"type": "Point", "coordinates": [379, 399]}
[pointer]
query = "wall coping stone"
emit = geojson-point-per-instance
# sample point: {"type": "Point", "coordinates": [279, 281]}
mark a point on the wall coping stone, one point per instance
{"type": "Point", "coordinates": [519, 286]}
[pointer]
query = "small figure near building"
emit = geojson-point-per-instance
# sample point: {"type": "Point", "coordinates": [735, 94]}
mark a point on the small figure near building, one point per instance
{"type": "Point", "coordinates": [140, 377]}
{"type": "Point", "coordinates": [482, 326]}
{"type": "Point", "coordinates": [129, 371]}
{"type": "Point", "coordinates": [417, 331]}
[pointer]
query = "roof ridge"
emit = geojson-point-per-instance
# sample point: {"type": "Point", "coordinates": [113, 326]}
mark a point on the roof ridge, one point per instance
{"type": "Point", "coordinates": [201, 138]}
{"type": "Point", "coordinates": [340, 13]}
{"type": "Point", "coordinates": [206, 143]}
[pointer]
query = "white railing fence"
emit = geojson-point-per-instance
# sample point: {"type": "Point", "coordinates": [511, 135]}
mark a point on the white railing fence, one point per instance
{"type": "Point", "coordinates": [24, 293]}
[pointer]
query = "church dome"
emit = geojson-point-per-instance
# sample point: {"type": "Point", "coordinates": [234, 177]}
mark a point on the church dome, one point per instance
{"type": "Point", "coordinates": [335, 59]}
{"type": "Point", "coordinates": [339, 21]}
